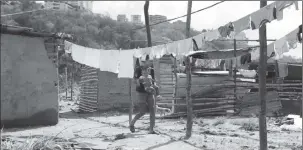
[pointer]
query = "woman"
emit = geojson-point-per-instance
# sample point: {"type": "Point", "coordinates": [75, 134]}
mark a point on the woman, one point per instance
{"type": "Point", "coordinates": [146, 99]}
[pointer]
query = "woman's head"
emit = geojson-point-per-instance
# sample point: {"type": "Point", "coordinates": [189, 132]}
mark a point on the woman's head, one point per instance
{"type": "Point", "coordinates": [145, 71]}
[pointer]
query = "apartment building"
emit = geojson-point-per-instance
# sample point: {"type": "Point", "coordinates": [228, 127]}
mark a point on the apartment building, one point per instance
{"type": "Point", "coordinates": [122, 18]}
{"type": "Point", "coordinates": [70, 5]}
{"type": "Point", "coordinates": [136, 19]}
{"type": "Point", "coordinates": [156, 18]}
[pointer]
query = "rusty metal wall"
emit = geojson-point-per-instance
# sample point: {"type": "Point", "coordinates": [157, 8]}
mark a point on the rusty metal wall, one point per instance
{"type": "Point", "coordinates": [88, 89]}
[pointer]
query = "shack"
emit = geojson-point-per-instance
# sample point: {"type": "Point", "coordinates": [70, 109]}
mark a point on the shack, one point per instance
{"type": "Point", "coordinates": [29, 92]}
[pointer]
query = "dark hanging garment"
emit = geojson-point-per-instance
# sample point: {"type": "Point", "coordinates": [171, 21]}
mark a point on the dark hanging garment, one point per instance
{"type": "Point", "coordinates": [299, 33]}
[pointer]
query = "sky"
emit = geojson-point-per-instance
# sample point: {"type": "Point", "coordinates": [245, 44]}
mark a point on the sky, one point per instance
{"type": "Point", "coordinates": [208, 19]}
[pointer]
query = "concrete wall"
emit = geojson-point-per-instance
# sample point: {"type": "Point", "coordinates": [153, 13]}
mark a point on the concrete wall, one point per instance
{"type": "Point", "coordinates": [28, 92]}
{"type": "Point", "coordinates": [114, 92]}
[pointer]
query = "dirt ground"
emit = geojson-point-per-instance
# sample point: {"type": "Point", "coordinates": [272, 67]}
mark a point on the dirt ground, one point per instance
{"type": "Point", "coordinates": [110, 131]}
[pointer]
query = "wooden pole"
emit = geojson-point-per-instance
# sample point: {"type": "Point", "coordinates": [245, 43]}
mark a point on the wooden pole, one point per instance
{"type": "Point", "coordinates": [71, 84]}
{"type": "Point", "coordinates": [235, 71]}
{"type": "Point", "coordinates": [189, 123]}
{"type": "Point", "coordinates": [131, 101]}
{"type": "Point", "coordinates": [176, 85]}
{"type": "Point", "coordinates": [146, 16]}
{"type": "Point", "coordinates": [262, 83]}
{"type": "Point", "coordinates": [302, 88]}
{"type": "Point", "coordinates": [66, 83]}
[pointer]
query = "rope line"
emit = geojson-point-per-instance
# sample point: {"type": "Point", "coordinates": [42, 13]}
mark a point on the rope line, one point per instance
{"type": "Point", "coordinates": [181, 16]}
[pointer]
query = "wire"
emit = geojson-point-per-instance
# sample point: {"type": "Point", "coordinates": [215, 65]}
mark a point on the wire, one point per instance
{"type": "Point", "coordinates": [23, 12]}
{"type": "Point", "coordinates": [181, 16]}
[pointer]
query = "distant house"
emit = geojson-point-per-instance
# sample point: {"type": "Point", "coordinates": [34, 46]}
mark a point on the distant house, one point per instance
{"type": "Point", "coordinates": [29, 92]}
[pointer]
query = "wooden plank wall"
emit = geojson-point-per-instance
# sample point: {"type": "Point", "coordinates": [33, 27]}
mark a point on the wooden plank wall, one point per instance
{"type": "Point", "coordinates": [166, 80]}
{"type": "Point", "coordinates": [88, 89]}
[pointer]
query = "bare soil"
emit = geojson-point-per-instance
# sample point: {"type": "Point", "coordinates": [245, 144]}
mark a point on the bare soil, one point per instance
{"type": "Point", "coordinates": [110, 131]}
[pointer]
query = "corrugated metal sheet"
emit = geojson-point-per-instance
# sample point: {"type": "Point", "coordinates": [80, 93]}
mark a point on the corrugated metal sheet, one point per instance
{"type": "Point", "coordinates": [89, 89]}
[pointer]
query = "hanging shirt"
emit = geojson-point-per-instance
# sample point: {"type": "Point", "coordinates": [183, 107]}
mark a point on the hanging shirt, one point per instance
{"type": "Point", "coordinates": [67, 47]}
{"type": "Point", "coordinates": [211, 35]}
{"type": "Point", "coordinates": [281, 46]}
{"type": "Point", "coordinates": [172, 48]}
{"type": "Point", "coordinates": [265, 13]}
{"type": "Point", "coordinates": [184, 47]}
{"type": "Point", "coordinates": [281, 5]}
{"type": "Point", "coordinates": [78, 52]}
{"type": "Point", "coordinates": [292, 39]}
{"type": "Point", "coordinates": [109, 60]}
{"type": "Point", "coordinates": [158, 51]}
{"type": "Point", "coordinates": [199, 40]}
{"type": "Point", "coordinates": [283, 69]}
{"type": "Point", "coordinates": [92, 57]}
{"type": "Point", "coordinates": [126, 61]}
{"type": "Point", "coordinates": [242, 24]}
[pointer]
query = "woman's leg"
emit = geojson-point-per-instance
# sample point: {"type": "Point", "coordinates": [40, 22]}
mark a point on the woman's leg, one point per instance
{"type": "Point", "coordinates": [142, 97]}
{"type": "Point", "coordinates": [151, 107]}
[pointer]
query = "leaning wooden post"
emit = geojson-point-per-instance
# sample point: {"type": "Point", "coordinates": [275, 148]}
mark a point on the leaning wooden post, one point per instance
{"type": "Point", "coordinates": [176, 85]}
{"type": "Point", "coordinates": [189, 123]}
{"type": "Point", "coordinates": [235, 71]}
{"type": "Point", "coordinates": [131, 100]}
{"type": "Point", "coordinates": [300, 31]}
{"type": "Point", "coordinates": [262, 82]}
{"type": "Point", "coordinates": [66, 84]}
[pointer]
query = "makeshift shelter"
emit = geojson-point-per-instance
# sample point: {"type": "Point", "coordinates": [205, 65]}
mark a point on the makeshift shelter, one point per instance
{"type": "Point", "coordinates": [29, 95]}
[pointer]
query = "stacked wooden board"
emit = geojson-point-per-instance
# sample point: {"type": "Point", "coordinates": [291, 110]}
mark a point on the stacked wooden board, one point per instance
{"type": "Point", "coordinates": [88, 89]}
{"type": "Point", "coordinates": [250, 104]}
{"type": "Point", "coordinates": [166, 80]}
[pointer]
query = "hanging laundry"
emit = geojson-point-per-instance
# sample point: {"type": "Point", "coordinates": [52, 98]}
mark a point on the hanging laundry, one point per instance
{"type": "Point", "coordinates": [255, 54]}
{"type": "Point", "coordinates": [199, 40]}
{"type": "Point", "coordinates": [245, 59]}
{"type": "Point", "coordinates": [271, 50]}
{"type": "Point", "coordinates": [242, 24]}
{"type": "Point", "coordinates": [208, 63]}
{"type": "Point", "coordinates": [78, 52]}
{"type": "Point", "coordinates": [292, 39]}
{"type": "Point", "coordinates": [211, 35]}
{"type": "Point", "coordinates": [109, 60]}
{"type": "Point", "coordinates": [283, 69]}
{"type": "Point", "coordinates": [92, 57]}
{"type": "Point", "coordinates": [226, 30]}
{"type": "Point", "coordinates": [184, 47]}
{"type": "Point", "coordinates": [281, 46]}
{"type": "Point", "coordinates": [67, 47]}
{"type": "Point", "coordinates": [172, 48]}
{"type": "Point", "coordinates": [264, 14]}
{"type": "Point", "coordinates": [126, 61]}
{"type": "Point", "coordinates": [299, 34]}
{"type": "Point", "coordinates": [158, 51]}
{"type": "Point", "coordinates": [281, 5]}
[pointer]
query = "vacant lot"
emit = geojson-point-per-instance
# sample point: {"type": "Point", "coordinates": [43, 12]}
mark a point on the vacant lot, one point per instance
{"type": "Point", "coordinates": [110, 131]}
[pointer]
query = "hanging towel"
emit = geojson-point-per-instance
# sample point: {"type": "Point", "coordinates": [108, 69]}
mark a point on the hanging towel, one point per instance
{"type": "Point", "coordinates": [292, 39]}
{"type": "Point", "coordinates": [283, 69]}
{"type": "Point", "coordinates": [281, 5]}
{"type": "Point", "coordinates": [255, 54]}
{"type": "Point", "coordinates": [226, 30]}
{"type": "Point", "coordinates": [271, 50]}
{"type": "Point", "coordinates": [242, 24]}
{"type": "Point", "coordinates": [78, 52]}
{"type": "Point", "coordinates": [109, 60]}
{"type": "Point", "coordinates": [126, 67]}
{"type": "Point", "coordinates": [211, 35]}
{"type": "Point", "coordinates": [281, 46]}
{"type": "Point", "coordinates": [172, 48]}
{"type": "Point", "coordinates": [145, 53]}
{"type": "Point", "coordinates": [208, 63]}
{"type": "Point", "coordinates": [92, 57]}
{"type": "Point", "coordinates": [184, 46]}
{"type": "Point", "coordinates": [258, 16]}
{"type": "Point", "coordinates": [199, 40]}
{"type": "Point", "coordinates": [158, 51]}
{"type": "Point", "coordinates": [68, 47]}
